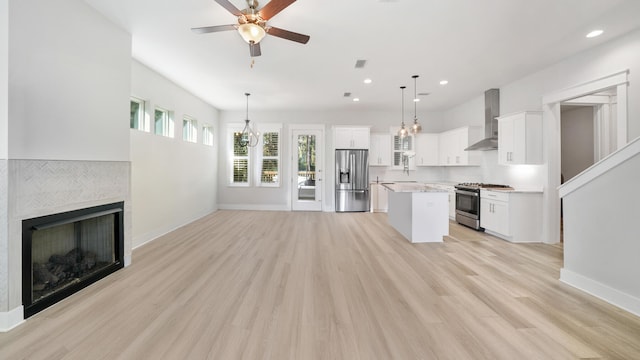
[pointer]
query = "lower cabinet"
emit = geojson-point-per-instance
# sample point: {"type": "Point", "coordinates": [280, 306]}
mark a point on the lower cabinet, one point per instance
{"type": "Point", "coordinates": [511, 215]}
{"type": "Point", "coordinates": [379, 198]}
{"type": "Point", "coordinates": [452, 198]}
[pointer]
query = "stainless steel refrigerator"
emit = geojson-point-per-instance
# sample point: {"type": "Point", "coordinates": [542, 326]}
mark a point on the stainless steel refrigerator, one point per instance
{"type": "Point", "coordinates": [352, 180]}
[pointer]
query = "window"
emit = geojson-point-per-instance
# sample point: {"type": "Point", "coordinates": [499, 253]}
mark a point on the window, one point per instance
{"type": "Point", "coordinates": [207, 135]}
{"type": "Point", "coordinates": [163, 124]}
{"type": "Point", "coordinates": [399, 147]}
{"type": "Point", "coordinates": [139, 120]}
{"type": "Point", "coordinates": [189, 129]}
{"type": "Point", "coordinates": [269, 147]}
{"type": "Point", "coordinates": [239, 172]}
{"type": "Point", "coordinates": [266, 156]}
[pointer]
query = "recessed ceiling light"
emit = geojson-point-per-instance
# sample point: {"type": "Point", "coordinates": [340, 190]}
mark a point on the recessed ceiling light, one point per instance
{"type": "Point", "coordinates": [356, 99]}
{"type": "Point", "coordinates": [368, 81]}
{"type": "Point", "coordinates": [595, 33]}
{"type": "Point", "coordinates": [444, 82]}
{"type": "Point", "coordinates": [416, 100]}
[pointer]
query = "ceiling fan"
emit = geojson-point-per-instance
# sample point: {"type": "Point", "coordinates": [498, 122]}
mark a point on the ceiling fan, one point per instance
{"type": "Point", "coordinates": [252, 23]}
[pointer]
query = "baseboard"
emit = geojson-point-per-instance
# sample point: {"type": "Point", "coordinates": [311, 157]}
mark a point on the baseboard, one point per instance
{"type": "Point", "coordinates": [148, 237]}
{"type": "Point", "coordinates": [601, 291]}
{"type": "Point", "coordinates": [266, 207]}
{"type": "Point", "coordinates": [11, 319]}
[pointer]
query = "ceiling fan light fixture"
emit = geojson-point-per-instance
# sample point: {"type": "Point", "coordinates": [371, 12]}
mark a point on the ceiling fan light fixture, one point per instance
{"type": "Point", "coordinates": [251, 32]}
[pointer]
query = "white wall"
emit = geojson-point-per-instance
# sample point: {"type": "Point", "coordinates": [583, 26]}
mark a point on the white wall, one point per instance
{"type": "Point", "coordinates": [173, 182]}
{"type": "Point", "coordinates": [279, 198]}
{"type": "Point", "coordinates": [68, 84]}
{"type": "Point", "coordinates": [4, 78]}
{"type": "Point", "coordinates": [577, 133]}
{"type": "Point", "coordinates": [601, 238]}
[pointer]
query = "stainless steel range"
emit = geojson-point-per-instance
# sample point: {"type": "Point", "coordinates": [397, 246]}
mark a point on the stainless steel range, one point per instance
{"type": "Point", "coordinates": [468, 203]}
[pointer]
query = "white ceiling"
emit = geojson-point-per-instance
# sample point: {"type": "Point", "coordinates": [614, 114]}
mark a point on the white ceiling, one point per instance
{"type": "Point", "coordinates": [475, 44]}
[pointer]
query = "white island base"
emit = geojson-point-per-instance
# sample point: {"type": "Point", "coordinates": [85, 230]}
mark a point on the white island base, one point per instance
{"type": "Point", "coordinates": [419, 213]}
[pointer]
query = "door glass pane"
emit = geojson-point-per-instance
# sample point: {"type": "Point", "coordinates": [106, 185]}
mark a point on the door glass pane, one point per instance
{"type": "Point", "coordinates": [306, 167]}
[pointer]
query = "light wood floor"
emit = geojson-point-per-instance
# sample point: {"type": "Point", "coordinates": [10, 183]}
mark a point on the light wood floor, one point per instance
{"type": "Point", "coordinates": [328, 286]}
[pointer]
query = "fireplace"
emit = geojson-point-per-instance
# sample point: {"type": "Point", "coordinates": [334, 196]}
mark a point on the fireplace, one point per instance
{"type": "Point", "coordinates": [65, 252]}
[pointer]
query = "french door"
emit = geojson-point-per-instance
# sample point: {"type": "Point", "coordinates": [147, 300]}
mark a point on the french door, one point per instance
{"type": "Point", "coordinates": [307, 165]}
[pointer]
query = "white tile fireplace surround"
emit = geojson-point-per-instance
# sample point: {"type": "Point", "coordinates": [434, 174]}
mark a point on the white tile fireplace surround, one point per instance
{"type": "Point", "coordinates": [33, 188]}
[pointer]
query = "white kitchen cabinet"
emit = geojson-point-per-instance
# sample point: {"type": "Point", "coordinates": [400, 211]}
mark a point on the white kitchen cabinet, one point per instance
{"type": "Point", "coordinates": [520, 138]}
{"type": "Point", "coordinates": [452, 197]}
{"type": "Point", "coordinates": [494, 212]}
{"type": "Point", "coordinates": [380, 150]}
{"type": "Point", "coordinates": [512, 215]}
{"type": "Point", "coordinates": [452, 144]}
{"type": "Point", "coordinates": [356, 137]}
{"type": "Point", "coordinates": [379, 198]}
{"type": "Point", "coordinates": [427, 149]}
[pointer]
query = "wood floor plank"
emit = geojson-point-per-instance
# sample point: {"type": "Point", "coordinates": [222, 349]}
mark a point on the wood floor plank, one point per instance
{"type": "Point", "coordinates": [297, 285]}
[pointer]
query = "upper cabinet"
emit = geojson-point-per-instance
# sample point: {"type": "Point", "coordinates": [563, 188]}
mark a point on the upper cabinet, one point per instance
{"type": "Point", "coordinates": [520, 138]}
{"type": "Point", "coordinates": [380, 151]}
{"type": "Point", "coordinates": [427, 149]}
{"type": "Point", "coordinates": [453, 142]}
{"type": "Point", "coordinates": [353, 137]}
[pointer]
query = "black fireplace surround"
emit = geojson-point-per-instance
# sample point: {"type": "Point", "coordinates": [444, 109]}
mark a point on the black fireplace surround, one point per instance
{"type": "Point", "coordinates": [64, 253]}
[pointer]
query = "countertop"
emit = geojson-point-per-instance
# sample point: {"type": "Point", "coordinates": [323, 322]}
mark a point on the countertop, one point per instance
{"type": "Point", "coordinates": [531, 190]}
{"type": "Point", "coordinates": [411, 187]}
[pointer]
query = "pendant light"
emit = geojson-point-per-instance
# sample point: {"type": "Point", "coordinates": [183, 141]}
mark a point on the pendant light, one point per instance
{"type": "Point", "coordinates": [416, 127]}
{"type": "Point", "coordinates": [403, 132]}
{"type": "Point", "coordinates": [248, 137]}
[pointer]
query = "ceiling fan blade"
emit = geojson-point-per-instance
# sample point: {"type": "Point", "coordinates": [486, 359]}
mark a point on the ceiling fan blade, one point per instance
{"type": "Point", "coordinates": [288, 35]}
{"type": "Point", "coordinates": [230, 7]}
{"type": "Point", "coordinates": [273, 8]}
{"type": "Point", "coordinates": [254, 49]}
{"type": "Point", "coordinates": [210, 29]}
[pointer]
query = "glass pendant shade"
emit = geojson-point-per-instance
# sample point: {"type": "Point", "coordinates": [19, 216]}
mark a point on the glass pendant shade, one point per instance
{"type": "Point", "coordinates": [416, 127]}
{"type": "Point", "coordinates": [251, 32]}
{"type": "Point", "coordinates": [249, 136]}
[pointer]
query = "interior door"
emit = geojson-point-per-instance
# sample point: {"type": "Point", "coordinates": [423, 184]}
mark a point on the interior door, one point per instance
{"type": "Point", "coordinates": [307, 169]}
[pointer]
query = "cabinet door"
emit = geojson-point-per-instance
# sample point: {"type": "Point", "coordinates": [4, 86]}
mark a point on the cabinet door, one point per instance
{"type": "Point", "coordinates": [505, 140]}
{"type": "Point", "coordinates": [494, 216]}
{"type": "Point", "coordinates": [460, 141]}
{"type": "Point", "coordinates": [380, 151]}
{"type": "Point", "coordinates": [360, 138]}
{"type": "Point", "coordinates": [427, 149]}
{"type": "Point", "coordinates": [343, 139]}
{"type": "Point", "coordinates": [383, 199]}
{"type": "Point", "coordinates": [444, 147]}
{"type": "Point", "coordinates": [500, 212]}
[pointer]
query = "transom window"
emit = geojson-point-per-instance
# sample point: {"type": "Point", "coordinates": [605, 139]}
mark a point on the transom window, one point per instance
{"type": "Point", "coordinates": [139, 120]}
{"type": "Point", "coordinates": [207, 135]}
{"type": "Point", "coordinates": [163, 124]}
{"type": "Point", "coordinates": [189, 129]}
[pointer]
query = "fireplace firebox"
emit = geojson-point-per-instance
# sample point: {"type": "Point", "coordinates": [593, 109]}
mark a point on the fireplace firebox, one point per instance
{"type": "Point", "coordinates": [63, 253]}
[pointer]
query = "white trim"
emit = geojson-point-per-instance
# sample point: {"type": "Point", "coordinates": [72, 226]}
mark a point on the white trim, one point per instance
{"type": "Point", "coordinates": [261, 207]}
{"type": "Point", "coordinates": [12, 318]}
{"type": "Point", "coordinates": [601, 291]}
{"type": "Point", "coordinates": [321, 164]}
{"type": "Point", "coordinates": [587, 88]}
{"type": "Point", "coordinates": [630, 150]}
{"type": "Point", "coordinates": [551, 129]}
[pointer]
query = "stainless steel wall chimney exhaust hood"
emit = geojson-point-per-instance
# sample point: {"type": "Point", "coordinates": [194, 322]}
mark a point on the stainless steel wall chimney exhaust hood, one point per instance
{"type": "Point", "coordinates": [491, 112]}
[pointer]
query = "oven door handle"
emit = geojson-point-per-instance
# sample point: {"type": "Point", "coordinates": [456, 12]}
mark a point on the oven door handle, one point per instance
{"type": "Point", "coordinates": [470, 193]}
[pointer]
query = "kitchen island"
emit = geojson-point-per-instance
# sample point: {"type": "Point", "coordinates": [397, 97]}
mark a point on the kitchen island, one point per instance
{"type": "Point", "coordinates": [418, 211]}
